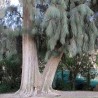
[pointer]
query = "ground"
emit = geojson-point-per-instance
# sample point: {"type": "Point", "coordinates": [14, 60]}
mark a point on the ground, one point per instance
{"type": "Point", "coordinates": [67, 94]}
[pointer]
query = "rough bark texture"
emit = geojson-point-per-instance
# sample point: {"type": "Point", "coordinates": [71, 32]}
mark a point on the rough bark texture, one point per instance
{"type": "Point", "coordinates": [31, 82]}
{"type": "Point", "coordinates": [30, 70]}
{"type": "Point", "coordinates": [49, 73]}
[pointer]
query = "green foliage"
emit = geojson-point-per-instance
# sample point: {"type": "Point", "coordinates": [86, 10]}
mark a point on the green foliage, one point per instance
{"type": "Point", "coordinates": [76, 33]}
{"type": "Point", "coordinates": [13, 65]}
{"type": "Point", "coordinates": [61, 85]}
{"type": "Point", "coordinates": [53, 53]}
{"type": "Point", "coordinates": [12, 33]}
{"type": "Point", "coordinates": [11, 71]}
{"type": "Point", "coordinates": [72, 48]}
{"type": "Point", "coordinates": [84, 31]}
{"type": "Point", "coordinates": [85, 43]}
{"type": "Point", "coordinates": [65, 22]}
{"type": "Point", "coordinates": [97, 59]}
{"type": "Point", "coordinates": [56, 24]}
{"type": "Point", "coordinates": [48, 54]}
{"type": "Point", "coordinates": [64, 26]}
{"type": "Point", "coordinates": [4, 88]}
{"type": "Point", "coordinates": [79, 65]}
{"type": "Point", "coordinates": [49, 29]}
{"type": "Point", "coordinates": [52, 12]}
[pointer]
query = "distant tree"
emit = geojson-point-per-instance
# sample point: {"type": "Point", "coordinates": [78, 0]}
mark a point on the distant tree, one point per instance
{"type": "Point", "coordinates": [80, 65]}
{"type": "Point", "coordinates": [88, 71]}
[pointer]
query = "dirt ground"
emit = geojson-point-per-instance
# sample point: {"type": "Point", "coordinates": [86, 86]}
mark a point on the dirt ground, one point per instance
{"type": "Point", "coordinates": [67, 94]}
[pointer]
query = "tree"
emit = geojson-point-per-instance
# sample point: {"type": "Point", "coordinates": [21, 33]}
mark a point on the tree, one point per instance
{"type": "Point", "coordinates": [74, 67]}
{"type": "Point", "coordinates": [56, 24]}
{"type": "Point", "coordinates": [79, 65]}
{"type": "Point", "coordinates": [69, 32]}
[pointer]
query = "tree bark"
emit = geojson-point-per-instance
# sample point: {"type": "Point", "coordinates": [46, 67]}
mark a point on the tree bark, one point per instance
{"type": "Point", "coordinates": [49, 73]}
{"type": "Point", "coordinates": [73, 84]}
{"type": "Point", "coordinates": [31, 77]}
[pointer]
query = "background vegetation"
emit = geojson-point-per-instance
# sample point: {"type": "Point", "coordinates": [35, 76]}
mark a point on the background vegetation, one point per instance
{"type": "Point", "coordinates": [11, 50]}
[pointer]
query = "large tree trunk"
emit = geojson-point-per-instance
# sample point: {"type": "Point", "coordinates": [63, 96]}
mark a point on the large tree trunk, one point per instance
{"type": "Point", "coordinates": [31, 77]}
{"type": "Point", "coordinates": [30, 82]}
{"type": "Point", "coordinates": [49, 73]}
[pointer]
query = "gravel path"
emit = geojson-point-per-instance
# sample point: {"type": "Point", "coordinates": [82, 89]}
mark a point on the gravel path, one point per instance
{"type": "Point", "coordinates": [67, 94]}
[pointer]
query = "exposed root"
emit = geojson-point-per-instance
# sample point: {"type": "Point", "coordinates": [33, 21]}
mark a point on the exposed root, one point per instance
{"type": "Point", "coordinates": [50, 92]}
{"type": "Point", "coordinates": [25, 93]}
{"type": "Point", "coordinates": [54, 93]}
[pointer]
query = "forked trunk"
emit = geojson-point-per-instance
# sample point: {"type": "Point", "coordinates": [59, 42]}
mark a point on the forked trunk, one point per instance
{"type": "Point", "coordinates": [30, 81]}
{"type": "Point", "coordinates": [49, 73]}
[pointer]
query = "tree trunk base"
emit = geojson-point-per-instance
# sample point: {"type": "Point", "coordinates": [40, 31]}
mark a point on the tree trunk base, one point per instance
{"type": "Point", "coordinates": [51, 92]}
{"type": "Point", "coordinates": [26, 93]}
{"type": "Point", "coordinates": [48, 75]}
{"type": "Point", "coordinates": [32, 93]}
{"type": "Point", "coordinates": [64, 94]}
{"type": "Point", "coordinates": [30, 71]}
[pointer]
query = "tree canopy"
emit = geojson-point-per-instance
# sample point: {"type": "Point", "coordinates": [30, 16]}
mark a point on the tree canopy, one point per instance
{"type": "Point", "coordinates": [67, 24]}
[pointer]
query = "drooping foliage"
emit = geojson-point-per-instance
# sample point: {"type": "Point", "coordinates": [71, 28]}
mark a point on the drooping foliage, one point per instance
{"type": "Point", "coordinates": [66, 22]}
{"type": "Point", "coordinates": [56, 23]}
{"type": "Point", "coordinates": [84, 31]}
{"type": "Point", "coordinates": [77, 34]}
